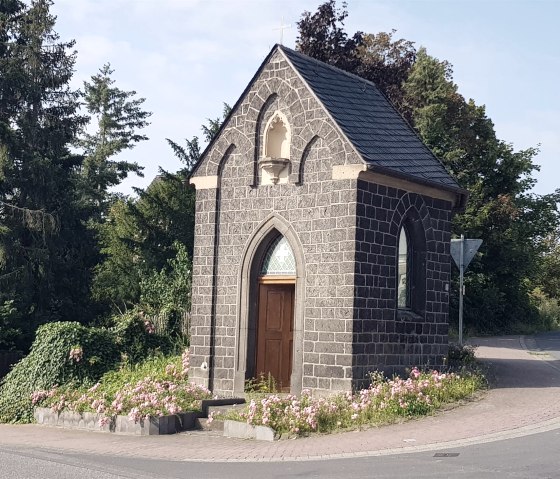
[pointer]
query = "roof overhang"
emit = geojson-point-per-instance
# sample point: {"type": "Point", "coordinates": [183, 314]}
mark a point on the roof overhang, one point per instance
{"type": "Point", "coordinates": [383, 176]}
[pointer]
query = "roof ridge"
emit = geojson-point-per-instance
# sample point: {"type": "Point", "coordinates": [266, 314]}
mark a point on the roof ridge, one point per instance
{"type": "Point", "coordinates": [232, 111]}
{"type": "Point", "coordinates": [337, 70]}
{"type": "Point", "coordinates": [332, 67]}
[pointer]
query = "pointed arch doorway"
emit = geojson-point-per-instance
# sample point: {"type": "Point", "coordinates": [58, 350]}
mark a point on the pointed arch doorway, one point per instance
{"type": "Point", "coordinates": [275, 313]}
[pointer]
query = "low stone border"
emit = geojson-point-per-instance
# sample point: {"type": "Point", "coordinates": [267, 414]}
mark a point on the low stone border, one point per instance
{"type": "Point", "coordinates": [120, 424]}
{"type": "Point", "coordinates": [242, 430]}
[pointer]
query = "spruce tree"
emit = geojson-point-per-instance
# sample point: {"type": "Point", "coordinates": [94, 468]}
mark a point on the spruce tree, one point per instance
{"type": "Point", "coordinates": [119, 117]}
{"type": "Point", "coordinates": [44, 271]}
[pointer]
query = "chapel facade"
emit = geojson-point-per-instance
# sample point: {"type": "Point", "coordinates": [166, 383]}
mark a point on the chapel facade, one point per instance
{"type": "Point", "coordinates": [322, 236]}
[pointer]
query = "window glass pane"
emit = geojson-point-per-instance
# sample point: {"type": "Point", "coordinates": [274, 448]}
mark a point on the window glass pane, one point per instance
{"type": "Point", "coordinates": [402, 274]}
{"type": "Point", "coordinates": [279, 259]}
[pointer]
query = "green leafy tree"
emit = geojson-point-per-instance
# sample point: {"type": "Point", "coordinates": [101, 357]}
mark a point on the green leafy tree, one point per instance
{"type": "Point", "coordinates": [322, 36]}
{"type": "Point", "coordinates": [375, 57]}
{"type": "Point", "coordinates": [549, 281]}
{"type": "Point", "coordinates": [146, 241]}
{"type": "Point", "coordinates": [169, 289]}
{"type": "Point", "coordinates": [501, 210]}
{"type": "Point", "coordinates": [138, 238]}
{"type": "Point", "coordinates": [512, 221]}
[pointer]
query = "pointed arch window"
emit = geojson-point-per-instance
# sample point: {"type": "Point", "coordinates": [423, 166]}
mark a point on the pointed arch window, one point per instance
{"type": "Point", "coordinates": [279, 259]}
{"type": "Point", "coordinates": [404, 273]}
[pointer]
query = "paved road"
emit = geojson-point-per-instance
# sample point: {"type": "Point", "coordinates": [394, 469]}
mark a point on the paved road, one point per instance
{"type": "Point", "coordinates": [549, 342]}
{"type": "Point", "coordinates": [535, 456]}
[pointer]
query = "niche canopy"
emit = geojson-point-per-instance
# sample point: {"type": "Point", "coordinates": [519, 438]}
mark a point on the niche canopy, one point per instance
{"type": "Point", "coordinates": [276, 154]}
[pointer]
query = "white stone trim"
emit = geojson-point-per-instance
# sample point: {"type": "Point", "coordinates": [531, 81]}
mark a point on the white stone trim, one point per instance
{"type": "Point", "coordinates": [347, 172]}
{"type": "Point", "coordinates": [204, 182]}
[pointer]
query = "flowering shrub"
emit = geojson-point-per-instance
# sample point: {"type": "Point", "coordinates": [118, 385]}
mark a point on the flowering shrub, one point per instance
{"type": "Point", "coordinates": [384, 401]}
{"type": "Point", "coordinates": [168, 393]}
{"type": "Point", "coordinates": [65, 352]}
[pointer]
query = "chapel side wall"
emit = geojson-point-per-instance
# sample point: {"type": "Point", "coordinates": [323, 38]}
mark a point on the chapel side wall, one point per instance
{"type": "Point", "coordinates": [202, 285]}
{"type": "Point", "coordinates": [321, 214]}
{"type": "Point", "coordinates": [385, 339]}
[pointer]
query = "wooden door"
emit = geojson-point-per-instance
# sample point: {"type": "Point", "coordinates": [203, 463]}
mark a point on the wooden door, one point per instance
{"type": "Point", "coordinates": [275, 333]}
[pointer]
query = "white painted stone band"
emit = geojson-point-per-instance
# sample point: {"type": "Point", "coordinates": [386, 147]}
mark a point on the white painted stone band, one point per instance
{"type": "Point", "coordinates": [352, 172]}
{"type": "Point", "coordinates": [204, 182]}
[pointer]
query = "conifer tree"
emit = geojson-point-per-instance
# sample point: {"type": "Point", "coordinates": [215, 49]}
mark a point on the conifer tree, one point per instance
{"type": "Point", "coordinates": [44, 273]}
{"type": "Point", "coordinates": [119, 117]}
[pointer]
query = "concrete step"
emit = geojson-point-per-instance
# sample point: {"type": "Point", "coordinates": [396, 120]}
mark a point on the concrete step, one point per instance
{"type": "Point", "coordinates": [221, 410]}
{"type": "Point", "coordinates": [215, 425]}
{"type": "Point", "coordinates": [208, 403]}
{"type": "Point", "coordinates": [216, 408]}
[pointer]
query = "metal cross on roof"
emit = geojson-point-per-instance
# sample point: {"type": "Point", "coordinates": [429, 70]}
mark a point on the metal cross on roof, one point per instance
{"type": "Point", "coordinates": [282, 27]}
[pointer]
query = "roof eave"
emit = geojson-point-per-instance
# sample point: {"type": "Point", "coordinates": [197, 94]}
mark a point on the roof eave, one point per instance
{"type": "Point", "coordinates": [461, 194]}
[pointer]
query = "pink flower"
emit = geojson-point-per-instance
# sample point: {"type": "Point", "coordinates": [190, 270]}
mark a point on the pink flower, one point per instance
{"type": "Point", "coordinates": [149, 326]}
{"type": "Point", "coordinates": [76, 354]}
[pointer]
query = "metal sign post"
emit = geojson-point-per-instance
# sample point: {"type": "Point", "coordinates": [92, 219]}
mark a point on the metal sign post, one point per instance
{"type": "Point", "coordinates": [461, 286]}
{"type": "Point", "coordinates": [462, 252]}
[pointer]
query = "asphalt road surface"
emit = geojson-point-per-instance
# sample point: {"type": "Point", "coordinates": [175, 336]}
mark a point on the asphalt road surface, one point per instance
{"type": "Point", "coordinates": [549, 342]}
{"type": "Point", "coordinates": [535, 456]}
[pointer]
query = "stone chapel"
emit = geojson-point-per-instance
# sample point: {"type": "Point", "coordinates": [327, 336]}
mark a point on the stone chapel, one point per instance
{"type": "Point", "coordinates": [322, 236]}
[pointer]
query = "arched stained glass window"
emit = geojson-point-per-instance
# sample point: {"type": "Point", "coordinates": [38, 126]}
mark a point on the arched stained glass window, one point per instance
{"type": "Point", "coordinates": [279, 259]}
{"type": "Point", "coordinates": [404, 273]}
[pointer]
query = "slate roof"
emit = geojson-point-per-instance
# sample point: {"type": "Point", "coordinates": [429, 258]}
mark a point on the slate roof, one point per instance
{"type": "Point", "coordinates": [376, 129]}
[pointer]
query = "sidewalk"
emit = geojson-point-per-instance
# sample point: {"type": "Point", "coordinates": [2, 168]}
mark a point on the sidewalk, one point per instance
{"type": "Point", "coordinates": [524, 400]}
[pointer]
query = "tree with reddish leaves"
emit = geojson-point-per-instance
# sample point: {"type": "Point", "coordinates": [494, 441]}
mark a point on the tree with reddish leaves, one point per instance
{"type": "Point", "coordinates": [378, 58]}
{"type": "Point", "coordinates": [513, 222]}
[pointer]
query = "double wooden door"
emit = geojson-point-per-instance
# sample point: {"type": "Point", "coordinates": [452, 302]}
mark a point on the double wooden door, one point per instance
{"type": "Point", "coordinates": [275, 332]}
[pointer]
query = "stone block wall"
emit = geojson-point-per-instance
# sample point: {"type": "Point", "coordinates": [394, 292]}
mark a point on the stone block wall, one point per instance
{"type": "Point", "coordinates": [344, 232]}
{"type": "Point", "coordinates": [386, 338]}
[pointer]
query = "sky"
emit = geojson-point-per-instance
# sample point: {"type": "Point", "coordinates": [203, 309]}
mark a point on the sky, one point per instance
{"type": "Point", "coordinates": [188, 57]}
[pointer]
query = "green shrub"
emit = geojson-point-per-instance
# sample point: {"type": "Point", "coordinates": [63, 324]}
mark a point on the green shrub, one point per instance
{"type": "Point", "coordinates": [384, 402]}
{"type": "Point", "coordinates": [61, 353]}
{"type": "Point", "coordinates": [461, 356]}
{"type": "Point", "coordinates": [136, 337]}
{"type": "Point", "coordinates": [549, 310]}
{"type": "Point", "coordinates": [162, 379]}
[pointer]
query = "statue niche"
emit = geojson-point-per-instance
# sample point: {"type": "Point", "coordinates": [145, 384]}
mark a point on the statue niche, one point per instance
{"type": "Point", "coordinates": [275, 161]}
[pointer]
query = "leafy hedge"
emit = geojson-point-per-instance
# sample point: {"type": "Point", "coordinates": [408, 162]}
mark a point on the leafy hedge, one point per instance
{"type": "Point", "coordinates": [136, 338]}
{"type": "Point", "coordinates": [61, 353]}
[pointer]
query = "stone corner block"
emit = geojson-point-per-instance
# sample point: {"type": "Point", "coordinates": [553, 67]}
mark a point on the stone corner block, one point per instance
{"type": "Point", "coordinates": [243, 430]}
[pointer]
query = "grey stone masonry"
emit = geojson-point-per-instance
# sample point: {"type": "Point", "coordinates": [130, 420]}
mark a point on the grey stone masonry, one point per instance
{"type": "Point", "coordinates": [319, 212]}
{"type": "Point", "coordinates": [386, 338]}
{"type": "Point", "coordinates": [343, 231]}
{"type": "Point", "coordinates": [153, 426]}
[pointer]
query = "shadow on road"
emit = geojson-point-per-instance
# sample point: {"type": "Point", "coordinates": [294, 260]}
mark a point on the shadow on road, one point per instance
{"type": "Point", "coordinates": [522, 373]}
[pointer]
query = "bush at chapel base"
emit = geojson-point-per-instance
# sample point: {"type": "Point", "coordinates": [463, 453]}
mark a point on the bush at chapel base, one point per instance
{"type": "Point", "coordinates": [61, 353]}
